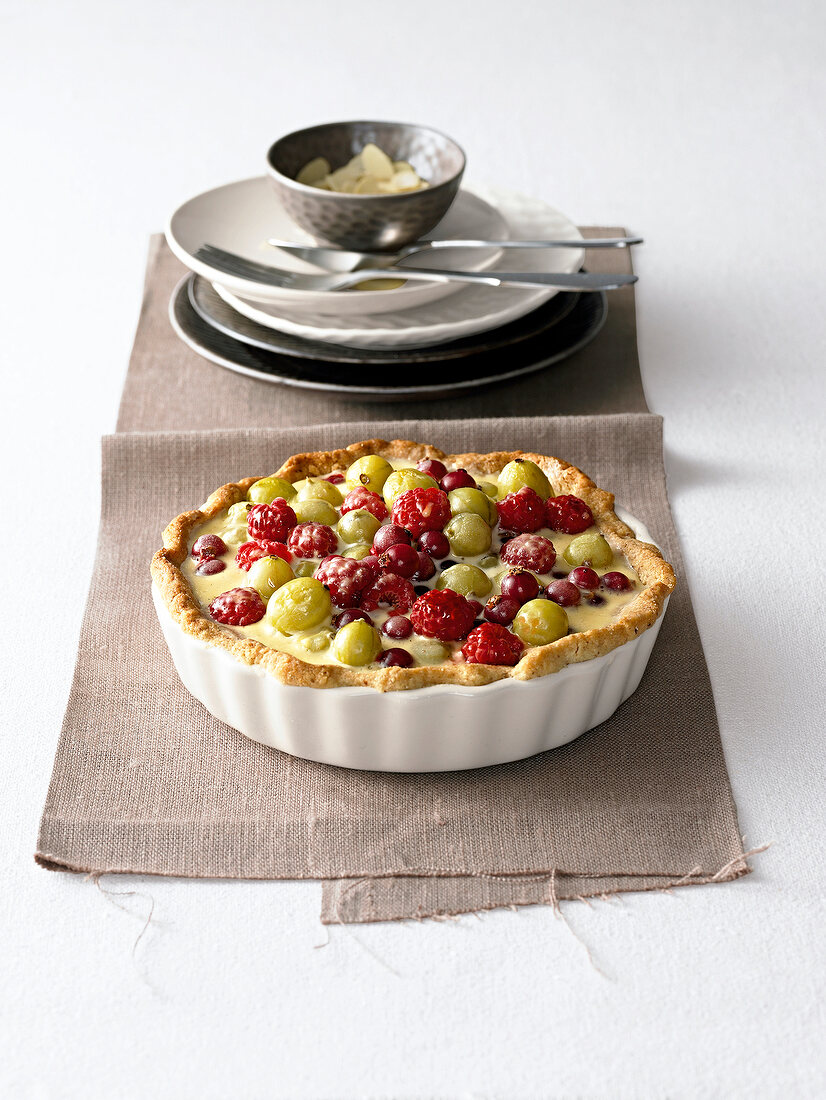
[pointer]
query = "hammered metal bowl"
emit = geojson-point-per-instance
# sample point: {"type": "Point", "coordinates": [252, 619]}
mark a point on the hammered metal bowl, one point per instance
{"type": "Point", "coordinates": [367, 223]}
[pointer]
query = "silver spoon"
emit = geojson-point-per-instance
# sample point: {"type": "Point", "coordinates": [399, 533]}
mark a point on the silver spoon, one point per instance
{"type": "Point", "coordinates": [341, 259]}
{"type": "Point", "coordinates": [228, 263]}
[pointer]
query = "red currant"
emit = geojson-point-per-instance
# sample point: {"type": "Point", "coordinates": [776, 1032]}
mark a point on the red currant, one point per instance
{"type": "Point", "coordinates": [401, 559]}
{"type": "Point", "coordinates": [432, 467]}
{"type": "Point", "coordinates": [397, 626]}
{"type": "Point", "coordinates": [583, 577]}
{"type": "Point", "coordinates": [209, 546]}
{"type": "Point", "coordinates": [617, 582]}
{"type": "Point", "coordinates": [395, 658]}
{"type": "Point", "coordinates": [564, 593]}
{"type": "Point", "coordinates": [457, 479]}
{"type": "Point", "coordinates": [520, 585]}
{"type": "Point", "coordinates": [434, 543]}
{"type": "Point", "coordinates": [390, 535]}
{"type": "Point", "coordinates": [210, 566]}
{"type": "Point", "coordinates": [501, 610]}
{"type": "Point", "coordinates": [425, 569]}
{"type": "Point", "coordinates": [350, 616]}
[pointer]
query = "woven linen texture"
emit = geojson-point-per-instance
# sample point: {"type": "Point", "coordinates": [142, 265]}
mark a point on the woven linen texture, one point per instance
{"type": "Point", "coordinates": [146, 780]}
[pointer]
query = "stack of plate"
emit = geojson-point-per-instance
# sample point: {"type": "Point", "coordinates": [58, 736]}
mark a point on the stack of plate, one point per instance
{"type": "Point", "coordinates": [390, 342]}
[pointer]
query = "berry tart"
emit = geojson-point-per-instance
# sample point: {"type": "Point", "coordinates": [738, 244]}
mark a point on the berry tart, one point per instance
{"type": "Point", "coordinates": [401, 576]}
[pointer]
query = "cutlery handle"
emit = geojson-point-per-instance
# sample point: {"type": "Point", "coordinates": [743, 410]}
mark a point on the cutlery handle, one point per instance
{"type": "Point", "coordinates": [580, 280]}
{"type": "Point", "coordinates": [594, 242]}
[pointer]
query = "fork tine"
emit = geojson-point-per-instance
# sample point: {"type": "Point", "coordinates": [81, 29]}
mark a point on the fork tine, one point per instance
{"type": "Point", "coordinates": [232, 264]}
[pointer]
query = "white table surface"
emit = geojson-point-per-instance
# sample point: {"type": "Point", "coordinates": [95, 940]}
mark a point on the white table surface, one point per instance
{"type": "Point", "coordinates": [700, 125]}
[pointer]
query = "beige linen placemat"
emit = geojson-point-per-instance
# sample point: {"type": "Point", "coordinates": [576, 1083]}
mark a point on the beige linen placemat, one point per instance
{"type": "Point", "coordinates": [145, 780]}
{"type": "Point", "coordinates": [170, 388]}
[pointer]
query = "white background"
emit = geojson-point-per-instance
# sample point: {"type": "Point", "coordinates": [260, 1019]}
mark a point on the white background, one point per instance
{"type": "Point", "coordinates": [699, 125]}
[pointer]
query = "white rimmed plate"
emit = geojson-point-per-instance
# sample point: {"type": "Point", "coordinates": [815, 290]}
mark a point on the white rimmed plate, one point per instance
{"type": "Point", "coordinates": [471, 310]}
{"type": "Point", "coordinates": [441, 728]}
{"type": "Point", "coordinates": [241, 216]}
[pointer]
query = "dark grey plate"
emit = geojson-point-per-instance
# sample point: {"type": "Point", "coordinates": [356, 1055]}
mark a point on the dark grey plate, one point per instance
{"type": "Point", "coordinates": [212, 308]}
{"type": "Point", "coordinates": [364, 379]}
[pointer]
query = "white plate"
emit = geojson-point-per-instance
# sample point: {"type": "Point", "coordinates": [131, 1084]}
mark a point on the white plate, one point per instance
{"type": "Point", "coordinates": [472, 310]}
{"type": "Point", "coordinates": [446, 727]}
{"type": "Point", "coordinates": [241, 216]}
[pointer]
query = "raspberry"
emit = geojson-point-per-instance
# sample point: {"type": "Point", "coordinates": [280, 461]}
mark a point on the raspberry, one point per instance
{"type": "Point", "coordinates": [389, 591]}
{"type": "Point", "coordinates": [443, 614]}
{"type": "Point", "coordinates": [238, 607]}
{"type": "Point", "coordinates": [568, 514]}
{"type": "Point", "coordinates": [364, 498]}
{"type": "Point", "coordinates": [208, 546]}
{"type": "Point", "coordinates": [249, 552]}
{"type": "Point", "coordinates": [334, 479]}
{"type": "Point", "coordinates": [270, 522]}
{"type": "Point", "coordinates": [345, 578]}
{"type": "Point", "coordinates": [312, 540]}
{"type": "Point", "coordinates": [492, 644]}
{"type": "Point", "coordinates": [420, 510]}
{"type": "Point", "coordinates": [531, 552]}
{"type": "Point", "coordinates": [522, 511]}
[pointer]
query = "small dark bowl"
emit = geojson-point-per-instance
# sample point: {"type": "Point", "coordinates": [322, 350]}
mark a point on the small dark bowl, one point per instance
{"type": "Point", "coordinates": [367, 223]}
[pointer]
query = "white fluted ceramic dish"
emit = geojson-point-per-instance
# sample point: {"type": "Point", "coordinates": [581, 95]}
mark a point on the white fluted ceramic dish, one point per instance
{"type": "Point", "coordinates": [473, 309]}
{"type": "Point", "coordinates": [241, 216]}
{"type": "Point", "coordinates": [441, 728]}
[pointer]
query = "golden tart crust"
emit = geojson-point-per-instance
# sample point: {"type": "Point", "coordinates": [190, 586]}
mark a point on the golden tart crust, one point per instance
{"type": "Point", "coordinates": [655, 574]}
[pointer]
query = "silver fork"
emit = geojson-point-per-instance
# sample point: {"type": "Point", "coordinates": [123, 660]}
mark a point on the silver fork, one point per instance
{"type": "Point", "coordinates": [342, 259]}
{"type": "Point", "coordinates": [228, 263]}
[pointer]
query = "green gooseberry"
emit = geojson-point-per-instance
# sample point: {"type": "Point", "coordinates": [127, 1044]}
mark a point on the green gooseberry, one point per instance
{"type": "Point", "coordinates": [468, 535]}
{"type": "Point", "coordinates": [489, 561]}
{"type": "Point", "coordinates": [268, 574]}
{"type": "Point", "coordinates": [317, 643]}
{"type": "Point", "coordinates": [588, 549]}
{"type": "Point", "coordinates": [472, 500]}
{"type": "Point", "coordinates": [488, 488]}
{"type": "Point", "coordinates": [305, 569]}
{"type": "Point", "coordinates": [314, 511]}
{"type": "Point", "coordinates": [320, 490]}
{"type": "Point", "coordinates": [235, 530]}
{"type": "Point", "coordinates": [369, 472]}
{"type": "Point", "coordinates": [237, 513]}
{"type": "Point", "coordinates": [540, 622]}
{"type": "Point", "coordinates": [268, 489]}
{"type": "Point", "coordinates": [428, 651]}
{"type": "Point", "coordinates": [302, 604]}
{"type": "Point", "coordinates": [358, 526]}
{"type": "Point", "coordinates": [357, 643]}
{"type": "Point", "coordinates": [467, 580]}
{"type": "Point", "coordinates": [400, 481]}
{"type": "Point", "coordinates": [521, 471]}
{"type": "Point", "coordinates": [358, 550]}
